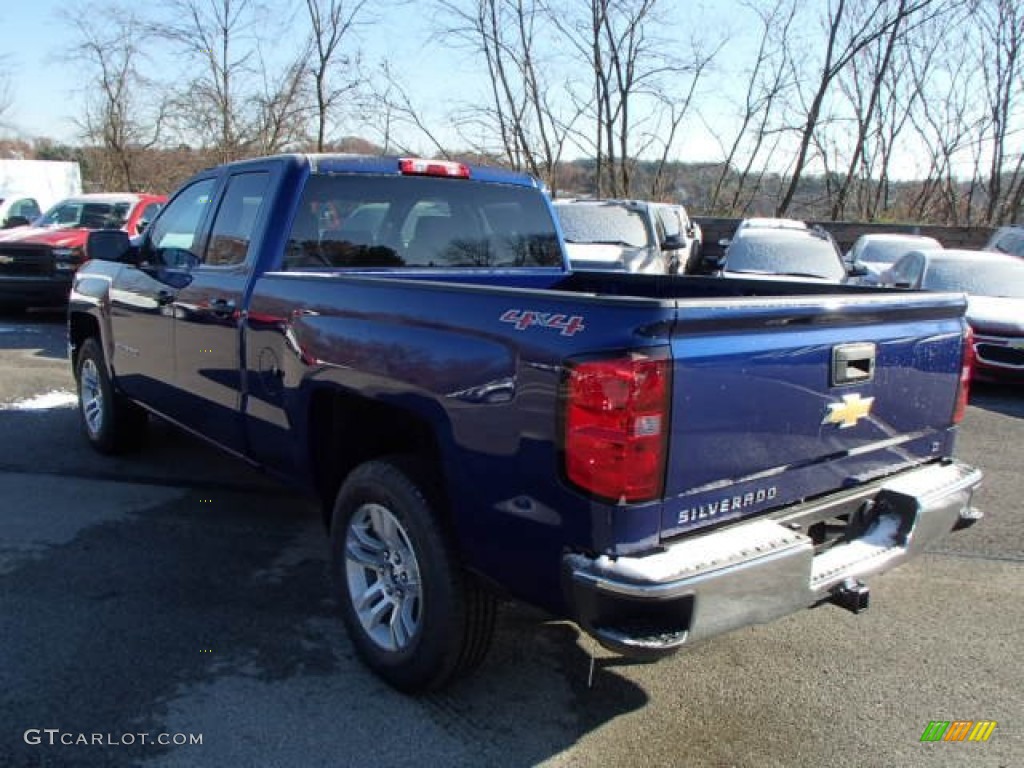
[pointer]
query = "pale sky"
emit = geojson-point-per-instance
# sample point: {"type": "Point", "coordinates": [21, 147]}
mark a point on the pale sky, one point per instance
{"type": "Point", "coordinates": [48, 87]}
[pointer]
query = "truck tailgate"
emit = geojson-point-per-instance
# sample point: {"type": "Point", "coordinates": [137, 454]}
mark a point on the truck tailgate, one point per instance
{"type": "Point", "coordinates": [776, 400]}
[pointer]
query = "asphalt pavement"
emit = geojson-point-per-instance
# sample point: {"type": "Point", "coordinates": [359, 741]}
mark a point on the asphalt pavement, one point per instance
{"type": "Point", "coordinates": [152, 602]}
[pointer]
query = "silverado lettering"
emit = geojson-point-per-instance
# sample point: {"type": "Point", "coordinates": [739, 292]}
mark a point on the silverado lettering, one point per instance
{"type": "Point", "coordinates": [402, 338]}
{"type": "Point", "coordinates": [727, 504]}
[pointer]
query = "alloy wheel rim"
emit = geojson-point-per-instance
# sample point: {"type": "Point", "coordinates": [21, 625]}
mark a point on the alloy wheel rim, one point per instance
{"type": "Point", "coordinates": [383, 578]}
{"type": "Point", "coordinates": [92, 397]}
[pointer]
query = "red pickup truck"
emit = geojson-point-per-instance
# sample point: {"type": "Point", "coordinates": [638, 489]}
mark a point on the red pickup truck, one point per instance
{"type": "Point", "coordinates": [38, 260]}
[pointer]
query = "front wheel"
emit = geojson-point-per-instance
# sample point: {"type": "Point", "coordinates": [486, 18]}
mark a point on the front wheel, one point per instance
{"type": "Point", "coordinates": [110, 423]}
{"type": "Point", "coordinates": [415, 617]}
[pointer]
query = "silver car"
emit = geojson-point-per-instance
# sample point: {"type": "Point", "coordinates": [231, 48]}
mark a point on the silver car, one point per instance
{"type": "Point", "coordinates": [620, 236]}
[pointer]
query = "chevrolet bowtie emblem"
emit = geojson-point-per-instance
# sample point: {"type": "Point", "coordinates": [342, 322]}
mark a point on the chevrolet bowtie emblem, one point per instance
{"type": "Point", "coordinates": [849, 412]}
{"type": "Point", "coordinates": [4, 259]}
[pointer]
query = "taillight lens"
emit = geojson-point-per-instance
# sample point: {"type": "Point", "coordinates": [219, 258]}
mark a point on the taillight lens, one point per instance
{"type": "Point", "coordinates": [616, 424]}
{"type": "Point", "coordinates": [966, 372]}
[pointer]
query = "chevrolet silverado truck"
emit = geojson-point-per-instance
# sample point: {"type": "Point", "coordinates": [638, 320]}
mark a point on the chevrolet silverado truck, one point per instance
{"type": "Point", "coordinates": [660, 459]}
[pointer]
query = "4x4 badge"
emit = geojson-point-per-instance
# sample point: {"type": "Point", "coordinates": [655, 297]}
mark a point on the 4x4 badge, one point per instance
{"type": "Point", "coordinates": [849, 412]}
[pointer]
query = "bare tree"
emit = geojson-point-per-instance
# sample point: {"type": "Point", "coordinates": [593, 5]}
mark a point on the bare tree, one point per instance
{"type": "Point", "coordinates": [6, 95]}
{"type": "Point", "coordinates": [392, 114]}
{"type": "Point", "coordinates": [636, 75]}
{"type": "Point", "coordinates": [767, 81]}
{"type": "Point", "coordinates": [117, 116]}
{"type": "Point", "coordinates": [1001, 26]}
{"type": "Point", "coordinates": [946, 124]}
{"type": "Point", "coordinates": [851, 25]}
{"type": "Point", "coordinates": [530, 117]}
{"type": "Point", "coordinates": [331, 24]}
{"type": "Point", "coordinates": [218, 37]}
{"type": "Point", "coordinates": [282, 106]}
{"type": "Point", "coordinates": [868, 69]}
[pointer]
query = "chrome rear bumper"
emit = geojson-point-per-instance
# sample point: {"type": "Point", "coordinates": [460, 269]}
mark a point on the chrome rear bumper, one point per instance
{"type": "Point", "coordinates": [758, 571]}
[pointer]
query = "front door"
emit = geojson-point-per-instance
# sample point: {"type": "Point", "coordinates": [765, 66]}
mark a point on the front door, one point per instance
{"type": "Point", "coordinates": [141, 305]}
{"type": "Point", "coordinates": [208, 315]}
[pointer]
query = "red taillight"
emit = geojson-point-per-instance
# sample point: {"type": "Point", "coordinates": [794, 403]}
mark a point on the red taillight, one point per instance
{"type": "Point", "coordinates": [616, 425]}
{"type": "Point", "coordinates": [414, 166]}
{"type": "Point", "coordinates": [966, 371]}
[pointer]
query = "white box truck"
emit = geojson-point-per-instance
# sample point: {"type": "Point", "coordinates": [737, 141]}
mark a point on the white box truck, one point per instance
{"type": "Point", "coordinates": [29, 187]}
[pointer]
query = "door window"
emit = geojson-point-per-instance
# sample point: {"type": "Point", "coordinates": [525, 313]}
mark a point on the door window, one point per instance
{"type": "Point", "coordinates": [176, 232]}
{"type": "Point", "coordinates": [236, 219]}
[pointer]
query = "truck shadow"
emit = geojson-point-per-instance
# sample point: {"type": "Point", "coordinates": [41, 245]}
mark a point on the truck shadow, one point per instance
{"type": "Point", "coordinates": [1001, 398]}
{"type": "Point", "coordinates": [203, 605]}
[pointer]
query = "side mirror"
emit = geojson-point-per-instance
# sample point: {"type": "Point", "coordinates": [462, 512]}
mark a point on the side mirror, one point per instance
{"type": "Point", "coordinates": [673, 243]}
{"type": "Point", "coordinates": [108, 245]}
{"type": "Point", "coordinates": [178, 258]}
{"type": "Point", "coordinates": [856, 270]}
{"type": "Point", "coordinates": [141, 225]}
{"type": "Point", "coordinates": [724, 242]}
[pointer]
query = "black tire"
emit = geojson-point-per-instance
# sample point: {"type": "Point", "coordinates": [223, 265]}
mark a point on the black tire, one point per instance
{"type": "Point", "coordinates": [436, 632]}
{"type": "Point", "coordinates": [111, 423]}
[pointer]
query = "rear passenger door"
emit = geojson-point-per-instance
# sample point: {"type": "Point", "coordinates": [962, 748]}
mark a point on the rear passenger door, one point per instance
{"type": "Point", "coordinates": [208, 311]}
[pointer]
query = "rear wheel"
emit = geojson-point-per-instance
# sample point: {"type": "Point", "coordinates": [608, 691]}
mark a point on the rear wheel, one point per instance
{"type": "Point", "coordinates": [111, 423]}
{"type": "Point", "coordinates": [415, 617]}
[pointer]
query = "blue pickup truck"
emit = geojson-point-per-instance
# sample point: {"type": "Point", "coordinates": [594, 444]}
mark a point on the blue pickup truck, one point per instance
{"type": "Point", "coordinates": [659, 458]}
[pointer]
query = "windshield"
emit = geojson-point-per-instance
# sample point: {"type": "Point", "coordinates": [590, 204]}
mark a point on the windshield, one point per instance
{"type": "Point", "coordinates": [976, 278]}
{"type": "Point", "coordinates": [88, 215]}
{"type": "Point", "coordinates": [606, 223]}
{"type": "Point", "coordinates": [772, 254]}
{"type": "Point", "coordinates": [891, 251]}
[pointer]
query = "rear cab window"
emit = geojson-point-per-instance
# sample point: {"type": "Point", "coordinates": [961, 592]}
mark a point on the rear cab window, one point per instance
{"type": "Point", "coordinates": [373, 221]}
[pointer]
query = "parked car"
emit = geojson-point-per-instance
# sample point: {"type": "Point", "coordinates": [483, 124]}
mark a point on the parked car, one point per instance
{"type": "Point", "coordinates": [994, 284]}
{"type": "Point", "coordinates": [621, 236]}
{"type": "Point", "coordinates": [37, 261]}
{"type": "Point", "coordinates": [1007, 240]}
{"type": "Point", "coordinates": [679, 227]}
{"type": "Point", "coordinates": [803, 254]}
{"type": "Point", "coordinates": [877, 252]}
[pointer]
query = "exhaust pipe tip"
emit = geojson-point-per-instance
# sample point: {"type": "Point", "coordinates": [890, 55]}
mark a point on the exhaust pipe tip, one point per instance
{"type": "Point", "coordinates": [853, 595]}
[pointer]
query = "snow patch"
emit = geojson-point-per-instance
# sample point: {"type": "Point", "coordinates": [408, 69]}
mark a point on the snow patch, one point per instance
{"type": "Point", "coordinates": [44, 402]}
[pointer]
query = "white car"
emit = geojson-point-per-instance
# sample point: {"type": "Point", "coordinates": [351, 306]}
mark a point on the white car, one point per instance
{"type": "Point", "coordinates": [763, 222]}
{"type": "Point", "coordinates": [877, 252]}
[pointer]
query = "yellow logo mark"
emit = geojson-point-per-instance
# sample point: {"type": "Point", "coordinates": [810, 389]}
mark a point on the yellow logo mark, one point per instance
{"type": "Point", "coordinates": [982, 730]}
{"type": "Point", "coordinates": [849, 412]}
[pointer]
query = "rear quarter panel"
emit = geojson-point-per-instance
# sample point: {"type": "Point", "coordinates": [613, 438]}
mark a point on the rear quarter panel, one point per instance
{"type": "Point", "coordinates": [462, 359]}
